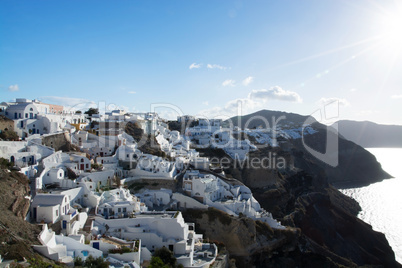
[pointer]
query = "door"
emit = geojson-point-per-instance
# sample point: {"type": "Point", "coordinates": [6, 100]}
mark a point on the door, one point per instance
{"type": "Point", "coordinates": [95, 245]}
{"type": "Point", "coordinates": [34, 214]}
{"type": "Point", "coordinates": [64, 224]}
{"type": "Point", "coordinates": [82, 167]}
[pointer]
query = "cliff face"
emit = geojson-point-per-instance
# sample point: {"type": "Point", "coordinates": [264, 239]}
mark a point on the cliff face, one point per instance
{"type": "Point", "coordinates": [16, 235]}
{"type": "Point", "coordinates": [330, 233]}
{"type": "Point", "coordinates": [244, 238]}
{"type": "Point", "coordinates": [327, 220]}
{"type": "Point", "coordinates": [333, 229]}
{"type": "Point", "coordinates": [357, 167]}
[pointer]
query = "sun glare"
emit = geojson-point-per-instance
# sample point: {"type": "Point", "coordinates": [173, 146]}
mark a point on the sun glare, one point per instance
{"type": "Point", "coordinates": [391, 30]}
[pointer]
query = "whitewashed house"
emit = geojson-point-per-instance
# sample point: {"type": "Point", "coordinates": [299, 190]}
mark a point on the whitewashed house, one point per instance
{"type": "Point", "coordinates": [113, 248]}
{"type": "Point", "coordinates": [63, 248]}
{"type": "Point", "coordinates": [151, 166]}
{"type": "Point", "coordinates": [232, 199]}
{"type": "Point", "coordinates": [161, 229]}
{"type": "Point", "coordinates": [49, 208]}
{"type": "Point", "coordinates": [118, 203]}
{"type": "Point", "coordinates": [24, 153]}
{"type": "Point", "coordinates": [155, 198]}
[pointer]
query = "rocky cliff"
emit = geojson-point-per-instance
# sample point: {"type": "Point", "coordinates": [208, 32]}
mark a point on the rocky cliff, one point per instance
{"type": "Point", "coordinates": [16, 235]}
{"type": "Point", "coordinates": [327, 219]}
{"type": "Point", "coordinates": [330, 233]}
{"type": "Point", "coordinates": [357, 167]}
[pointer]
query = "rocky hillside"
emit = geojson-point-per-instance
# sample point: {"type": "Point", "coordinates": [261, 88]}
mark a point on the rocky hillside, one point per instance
{"type": "Point", "coordinates": [330, 233]}
{"type": "Point", "coordinates": [327, 219]}
{"type": "Point", "coordinates": [255, 244]}
{"type": "Point", "coordinates": [357, 167]}
{"type": "Point", "coordinates": [261, 118]}
{"type": "Point", "coordinates": [7, 132]}
{"type": "Point", "coordinates": [16, 235]}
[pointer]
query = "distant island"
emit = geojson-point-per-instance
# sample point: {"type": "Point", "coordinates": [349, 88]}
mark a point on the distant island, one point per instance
{"type": "Point", "coordinates": [371, 135]}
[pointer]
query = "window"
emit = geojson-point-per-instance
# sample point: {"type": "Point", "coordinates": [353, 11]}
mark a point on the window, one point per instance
{"type": "Point", "coordinates": [57, 212]}
{"type": "Point", "coordinates": [82, 159]}
{"type": "Point", "coordinates": [26, 115]}
{"type": "Point", "coordinates": [19, 115]}
{"type": "Point", "coordinates": [31, 109]}
{"type": "Point", "coordinates": [87, 165]}
{"type": "Point", "coordinates": [124, 210]}
{"type": "Point", "coordinates": [15, 115]}
{"type": "Point", "coordinates": [119, 210]}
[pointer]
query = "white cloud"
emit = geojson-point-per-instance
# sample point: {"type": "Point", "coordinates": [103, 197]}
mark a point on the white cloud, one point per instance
{"type": "Point", "coordinates": [353, 90]}
{"type": "Point", "coordinates": [326, 101]}
{"type": "Point", "coordinates": [13, 88]}
{"type": "Point", "coordinates": [366, 112]}
{"type": "Point", "coordinates": [396, 96]}
{"type": "Point", "coordinates": [248, 81]}
{"type": "Point", "coordinates": [70, 103]}
{"type": "Point", "coordinates": [231, 108]}
{"type": "Point", "coordinates": [216, 66]}
{"type": "Point", "coordinates": [195, 65]}
{"type": "Point", "coordinates": [275, 93]}
{"type": "Point", "coordinates": [206, 103]}
{"type": "Point", "coordinates": [228, 82]}
{"type": "Point", "coordinates": [132, 92]}
{"type": "Point", "coordinates": [255, 100]}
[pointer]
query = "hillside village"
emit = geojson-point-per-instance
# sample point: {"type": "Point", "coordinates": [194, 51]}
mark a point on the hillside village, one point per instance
{"type": "Point", "coordinates": [99, 191]}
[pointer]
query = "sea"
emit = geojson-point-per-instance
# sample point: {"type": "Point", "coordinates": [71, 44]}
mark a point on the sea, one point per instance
{"type": "Point", "coordinates": [381, 202]}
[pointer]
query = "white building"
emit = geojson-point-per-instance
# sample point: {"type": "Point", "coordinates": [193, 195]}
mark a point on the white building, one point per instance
{"type": "Point", "coordinates": [49, 208]}
{"type": "Point", "coordinates": [24, 153]}
{"type": "Point", "coordinates": [161, 229]}
{"type": "Point", "coordinates": [118, 203]}
{"type": "Point", "coordinates": [232, 199]}
{"type": "Point", "coordinates": [63, 248]}
{"type": "Point", "coordinates": [151, 166]}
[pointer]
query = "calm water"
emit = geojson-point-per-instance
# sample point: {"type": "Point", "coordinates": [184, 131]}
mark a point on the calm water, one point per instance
{"type": "Point", "coordinates": [382, 202]}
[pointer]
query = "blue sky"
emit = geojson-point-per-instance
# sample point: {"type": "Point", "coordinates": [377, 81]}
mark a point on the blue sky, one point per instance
{"type": "Point", "coordinates": [293, 56]}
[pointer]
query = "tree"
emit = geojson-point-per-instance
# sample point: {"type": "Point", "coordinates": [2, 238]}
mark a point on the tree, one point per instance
{"type": "Point", "coordinates": [166, 256]}
{"type": "Point", "coordinates": [5, 164]}
{"type": "Point", "coordinates": [78, 262]}
{"type": "Point", "coordinates": [156, 262]}
{"type": "Point", "coordinates": [93, 262]}
{"type": "Point", "coordinates": [92, 111]}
